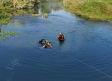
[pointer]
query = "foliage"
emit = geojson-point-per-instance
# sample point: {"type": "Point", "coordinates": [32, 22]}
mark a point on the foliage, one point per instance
{"type": "Point", "coordinates": [3, 18]}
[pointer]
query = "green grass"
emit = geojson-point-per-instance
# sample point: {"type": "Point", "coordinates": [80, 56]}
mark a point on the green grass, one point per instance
{"type": "Point", "coordinates": [3, 18]}
{"type": "Point", "coordinates": [90, 9]}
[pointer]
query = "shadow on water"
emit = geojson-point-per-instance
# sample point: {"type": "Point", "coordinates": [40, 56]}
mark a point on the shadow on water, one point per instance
{"type": "Point", "coordinates": [61, 43]}
{"type": "Point", "coordinates": [46, 7]}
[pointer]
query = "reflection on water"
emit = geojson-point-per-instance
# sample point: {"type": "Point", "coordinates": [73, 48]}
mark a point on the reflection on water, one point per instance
{"type": "Point", "coordinates": [47, 8]}
{"type": "Point", "coordinates": [61, 43]}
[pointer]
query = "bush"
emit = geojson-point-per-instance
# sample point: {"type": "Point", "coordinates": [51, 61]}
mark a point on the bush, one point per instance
{"type": "Point", "coordinates": [9, 3]}
{"type": "Point", "coordinates": [2, 16]}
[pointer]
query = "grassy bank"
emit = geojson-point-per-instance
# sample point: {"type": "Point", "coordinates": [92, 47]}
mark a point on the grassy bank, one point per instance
{"type": "Point", "coordinates": [96, 10]}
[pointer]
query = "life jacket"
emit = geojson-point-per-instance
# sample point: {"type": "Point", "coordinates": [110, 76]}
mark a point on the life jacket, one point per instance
{"type": "Point", "coordinates": [61, 37]}
{"type": "Point", "coordinates": [47, 45]}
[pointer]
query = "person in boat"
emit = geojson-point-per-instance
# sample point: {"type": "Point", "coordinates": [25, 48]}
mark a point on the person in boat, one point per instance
{"type": "Point", "coordinates": [61, 37]}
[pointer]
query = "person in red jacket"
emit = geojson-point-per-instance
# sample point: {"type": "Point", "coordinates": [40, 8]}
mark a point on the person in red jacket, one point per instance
{"type": "Point", "coordinates": [60, 37]}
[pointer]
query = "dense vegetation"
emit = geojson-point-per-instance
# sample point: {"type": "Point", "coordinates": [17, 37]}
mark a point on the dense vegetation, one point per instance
{"type": "Point", "coordinates": [3, 16]}
{"type": "Point", "coordinates": [96, 10]}
{"type": "Point", "coordinates": [10, 8]}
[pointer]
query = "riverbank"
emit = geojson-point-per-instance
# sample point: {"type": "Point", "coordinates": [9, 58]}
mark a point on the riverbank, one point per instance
{"type": "Point", "coordinates": [9, 6]}
{"type": "Point", "coordinates": [19, 8]}
{"type": "Point", "coordinates": [90, 10]}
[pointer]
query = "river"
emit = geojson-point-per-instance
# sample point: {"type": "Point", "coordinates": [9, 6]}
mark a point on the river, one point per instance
{"type": "Point", "coordinates": [85, 55]}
